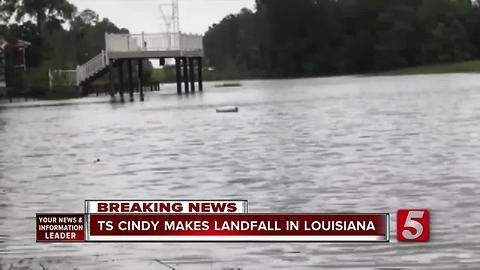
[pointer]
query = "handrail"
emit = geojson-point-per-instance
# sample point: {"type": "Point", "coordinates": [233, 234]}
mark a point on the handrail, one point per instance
{"type": "Point", "coordinates": [60, 77]}
{"type": "Point", "coordinates": [153, 42]}
{"type": "Point", "coordinates": [138, 42]}
{"type": "Point", "coordinates": [92, 66]}
{"type": "Point", "coordinates": [191, 42]}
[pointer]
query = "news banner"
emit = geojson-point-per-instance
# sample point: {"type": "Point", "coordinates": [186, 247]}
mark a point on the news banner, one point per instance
{"type": "Point", "coordinates": [221, 221]}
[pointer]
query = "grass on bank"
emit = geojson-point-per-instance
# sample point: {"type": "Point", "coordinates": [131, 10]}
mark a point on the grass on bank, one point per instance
{"type": "Point", "coordinates": [472, 66]}
{"type": "Point", "coordinates": [458, 67]}
{"type": "Point", "coordinates": [168, 75]}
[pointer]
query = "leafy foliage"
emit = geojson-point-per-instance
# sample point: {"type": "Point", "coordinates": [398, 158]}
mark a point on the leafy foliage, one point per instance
{"type": "Point", "coordinates": [45, 12]}
{"type": "Point", "coordinates": [316, 37]}
{"type": "Point", "coordinates": [53, 45]}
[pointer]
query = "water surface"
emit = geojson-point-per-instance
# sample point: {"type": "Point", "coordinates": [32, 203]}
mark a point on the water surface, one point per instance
{"type": "Point", "coordinates": [343, 144]}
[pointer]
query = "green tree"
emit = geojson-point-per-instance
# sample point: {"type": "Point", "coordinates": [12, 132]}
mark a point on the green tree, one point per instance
{"type": "Point", "coordinates": [55, 47]}
{"type": "Point", "coordinates": [88, 17]}
{"type": "Point", "coordinates": [398, 43]}
{"type": "Point", "coordinates": [43, 11]}
{"type": "Point", "coordinates": [322, 37]}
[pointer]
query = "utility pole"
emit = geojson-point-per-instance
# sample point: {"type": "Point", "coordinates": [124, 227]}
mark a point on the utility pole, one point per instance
{"type": "Point", "coordinates": [170, 18]}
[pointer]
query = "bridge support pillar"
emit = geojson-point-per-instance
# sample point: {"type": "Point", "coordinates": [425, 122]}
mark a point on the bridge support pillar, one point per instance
{"type": "Point", "coordinates": [120, 80]}
{"type": "Point", "coordinates": [191, 68]}
{"type": "Point", "coordinates": [111, 89]}
{"type": "Point", "coordinates": [185, 75]}
{"type": "Point", "coordinates": [178, 75]}
{"type": "Point", "coordinates": [200, 75]}
{"type": "Point", "coordinates": [130, 79]}
{"type": "Point", "coordinates": [140, 79]}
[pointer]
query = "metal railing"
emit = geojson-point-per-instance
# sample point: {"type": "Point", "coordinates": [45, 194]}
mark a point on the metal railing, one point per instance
{"type": "Point", "coordinates": [92, 67]}
{"type": "Point", "coordinates": [153, 42]}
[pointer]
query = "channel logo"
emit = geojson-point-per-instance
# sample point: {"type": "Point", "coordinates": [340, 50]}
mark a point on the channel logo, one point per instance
{"type": "Point", "coordinates": [413, 225]}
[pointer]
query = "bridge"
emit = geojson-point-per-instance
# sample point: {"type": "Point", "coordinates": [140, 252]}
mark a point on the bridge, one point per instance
{"type": "Point", "coordinates": [129, 50]}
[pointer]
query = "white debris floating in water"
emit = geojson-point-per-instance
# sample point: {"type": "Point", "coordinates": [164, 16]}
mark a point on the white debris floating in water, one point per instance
{"type": "Point", "coordinates": [227, 109]}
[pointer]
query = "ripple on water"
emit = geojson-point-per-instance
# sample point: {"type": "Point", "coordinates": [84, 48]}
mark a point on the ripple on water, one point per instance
{"type": "Point", "coordinates": [325, 145]}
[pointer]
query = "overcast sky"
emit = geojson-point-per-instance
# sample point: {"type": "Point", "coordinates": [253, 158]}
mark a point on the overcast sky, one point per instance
{"type": "Point", "coordinates": [144, 15]}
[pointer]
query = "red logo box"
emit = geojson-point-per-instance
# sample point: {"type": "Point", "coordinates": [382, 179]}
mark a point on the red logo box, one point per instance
{"type": "Point", "coordinates": [413, 225]}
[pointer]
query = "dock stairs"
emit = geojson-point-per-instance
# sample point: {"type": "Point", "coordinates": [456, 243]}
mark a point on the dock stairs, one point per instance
{"type": "Point", "coordinates": [136, 46]}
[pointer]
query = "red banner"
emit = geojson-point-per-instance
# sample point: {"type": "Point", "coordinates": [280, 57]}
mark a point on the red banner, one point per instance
{"type": "Point", "coordinates": [238, 227]}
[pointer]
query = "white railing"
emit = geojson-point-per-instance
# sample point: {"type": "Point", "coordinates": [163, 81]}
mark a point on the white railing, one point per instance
{"type": "Point", "coordinates": [191, 42]}
{"type": "Point", "coordinates": [138, 42]}
{"type": "Point", "coordinates": [62, 78]}
{"type": "Point", "coordinates": [153, 42]}
{"type": "Point", "coordinates": [92, 67]}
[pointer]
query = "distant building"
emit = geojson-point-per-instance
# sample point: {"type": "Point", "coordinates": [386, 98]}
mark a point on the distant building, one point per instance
{"type": "Point", "coordinates": [17, 49]}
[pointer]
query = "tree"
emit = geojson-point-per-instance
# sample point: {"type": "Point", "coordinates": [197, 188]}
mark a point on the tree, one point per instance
{"type": "Point", "coordinates": [398, 43]}
{"type": "Point", "coordinates": [42, 11]}
{"type": "Point", "coordinates": [52, 46]}
{"type": "Point", "coordinates": [89, 17]}
{"type": "Point", "coordinates": [323, 37]}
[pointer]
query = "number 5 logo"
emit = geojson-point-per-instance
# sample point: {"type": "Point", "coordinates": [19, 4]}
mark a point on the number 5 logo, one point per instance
{"type": "Point", "coordinates": [413, 225]}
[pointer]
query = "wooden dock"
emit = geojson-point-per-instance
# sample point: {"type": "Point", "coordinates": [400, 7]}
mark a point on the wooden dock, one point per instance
{"type": "Point", "coordinates": [128, 51]}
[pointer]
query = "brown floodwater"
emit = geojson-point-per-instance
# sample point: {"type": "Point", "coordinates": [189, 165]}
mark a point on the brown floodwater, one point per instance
{"type": "Point", "coordinates": [342, 144]}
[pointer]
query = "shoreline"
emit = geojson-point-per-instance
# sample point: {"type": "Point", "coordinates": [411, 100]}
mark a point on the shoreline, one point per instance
{"type": "Point", "coordinates": [466, 67]}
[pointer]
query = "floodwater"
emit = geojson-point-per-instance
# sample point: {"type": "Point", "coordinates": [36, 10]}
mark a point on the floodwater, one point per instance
{"type": "Point", "coordinates": [342, 144]}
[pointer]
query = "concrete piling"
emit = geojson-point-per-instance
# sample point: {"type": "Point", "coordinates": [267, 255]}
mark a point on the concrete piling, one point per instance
{"type": "Point", "coordinates": [130, 79]}
{"type": "Point", "coordinates": [178, 75]}
{"type": "Point", "coordinates": [200, 74]}
{"type": "Point", "coordinates": [140, 79]}
{"type": "Point", "coordinates": [188, 71]}
{"type": "Point", "coordinates": [191, 68]}
{"type": "Point", "coordinates": [120, 79]}
{"type": "Point", "coordinates": [111, 89]}
{"type": "Point", "coordinates": [185, 75]}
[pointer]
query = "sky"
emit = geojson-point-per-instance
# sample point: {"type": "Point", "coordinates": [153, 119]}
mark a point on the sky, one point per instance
{"type": "Point", "coordinates": [145, 16]}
